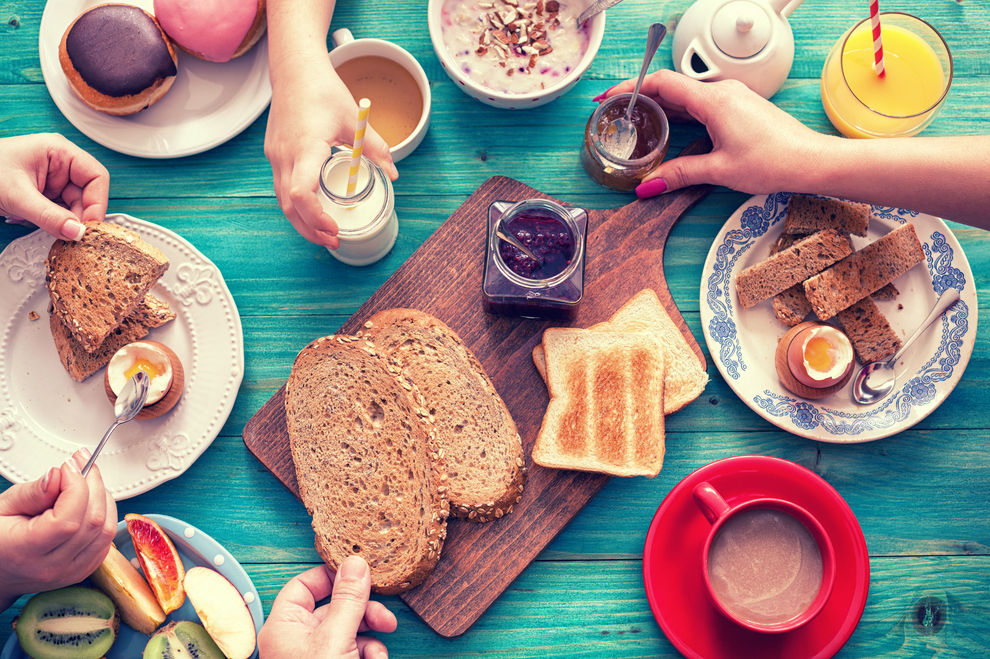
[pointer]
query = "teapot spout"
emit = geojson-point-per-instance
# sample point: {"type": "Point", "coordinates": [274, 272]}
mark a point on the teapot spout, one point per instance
{"type": "Point", "coordinates": [785, 7]}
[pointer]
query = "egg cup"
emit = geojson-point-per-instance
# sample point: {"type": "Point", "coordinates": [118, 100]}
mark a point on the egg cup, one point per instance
{"type": "Point", "coordinates": [787, 378]}
{"type": "Point", "coordinates": [171, 397]}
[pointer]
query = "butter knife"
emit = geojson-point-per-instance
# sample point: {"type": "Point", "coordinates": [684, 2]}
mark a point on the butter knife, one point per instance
{"type": "Point", "coordinates": [594, 8]}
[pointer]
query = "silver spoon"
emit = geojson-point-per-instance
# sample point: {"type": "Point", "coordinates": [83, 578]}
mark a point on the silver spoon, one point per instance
{"type": "Point", "coordinates": [129, 403]}
{"type": "Point", "coordinates": [876, 379]}
{"type": "Point", "coordinates": [595, 8]}
{"type": "Point", "coordinates": [515, 242]}
{"type": "Point", "coordinates": [621, 138]}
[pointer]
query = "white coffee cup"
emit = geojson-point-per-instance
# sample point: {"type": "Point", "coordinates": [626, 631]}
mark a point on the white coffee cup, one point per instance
{"type": "Point", "coordinates": [346, 48]}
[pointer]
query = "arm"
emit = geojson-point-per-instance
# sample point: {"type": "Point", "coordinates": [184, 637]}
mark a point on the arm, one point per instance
{"type": "Point", "coordinates": [759, 148]}
{"type": "Point", "coordinates": [311, 111]}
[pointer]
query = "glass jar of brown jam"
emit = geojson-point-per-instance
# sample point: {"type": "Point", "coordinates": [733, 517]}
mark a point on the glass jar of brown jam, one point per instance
{"type": "Point", "coordinates": [516, 285]}
{"type": "Point", "coordinates": [652, 140]}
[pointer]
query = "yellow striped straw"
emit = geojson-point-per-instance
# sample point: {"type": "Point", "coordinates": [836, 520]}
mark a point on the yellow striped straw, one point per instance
{"type": "Point", "coordinates": [364, 108]}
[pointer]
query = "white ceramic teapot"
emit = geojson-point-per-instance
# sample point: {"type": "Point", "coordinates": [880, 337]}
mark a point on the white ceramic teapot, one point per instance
{"type": "Point", "coordinates": [749, 40]}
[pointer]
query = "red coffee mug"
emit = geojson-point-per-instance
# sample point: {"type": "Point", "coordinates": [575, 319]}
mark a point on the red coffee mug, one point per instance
{"type": "Point", "coordinates": [792, 614]}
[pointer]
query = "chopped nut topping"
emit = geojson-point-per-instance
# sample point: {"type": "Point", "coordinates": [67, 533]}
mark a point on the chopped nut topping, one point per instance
{"type": "Point", "coordinates": [517, 30]}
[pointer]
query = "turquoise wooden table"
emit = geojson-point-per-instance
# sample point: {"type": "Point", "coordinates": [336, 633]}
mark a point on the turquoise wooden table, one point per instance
{"type": "Point", "coordinates": [920, 496]}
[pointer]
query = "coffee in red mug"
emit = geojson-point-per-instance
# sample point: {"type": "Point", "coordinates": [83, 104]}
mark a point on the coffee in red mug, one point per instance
{"type": "Point", "coordinates": [768, 563]}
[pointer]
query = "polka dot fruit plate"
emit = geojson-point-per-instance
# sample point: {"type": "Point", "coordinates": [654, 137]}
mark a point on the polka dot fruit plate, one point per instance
{"type": "Point", "coordinates": [742, 342]}
{"type": "Point", "coordinates": [195, 548]}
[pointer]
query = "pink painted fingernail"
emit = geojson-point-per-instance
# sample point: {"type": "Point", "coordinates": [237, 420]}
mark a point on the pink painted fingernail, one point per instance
{"type": "Point", "coordinates": [601, 97]}
{"type": "Point", "coordinates": [651, 188]}
{"type": "Point", "coordinates": [73, 229]}
{"type": "Point", "coordinates": [47, 479]}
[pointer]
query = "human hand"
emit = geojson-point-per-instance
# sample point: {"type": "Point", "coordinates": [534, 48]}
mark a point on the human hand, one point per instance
{"type": "Point", "coordinates": [297, 628]}
{"type": "Point", "coordinates": [757, 147]}
{"type": "Point", "coordinates": [312, 111]}
{"type": "Point", "coordinates": [49, 181]}
{"type": "Point", "coordinates": [54, 531]}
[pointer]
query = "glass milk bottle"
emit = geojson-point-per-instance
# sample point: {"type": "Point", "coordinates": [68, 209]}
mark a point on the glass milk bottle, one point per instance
{"type": "Point", "coordinates": [366, 219]}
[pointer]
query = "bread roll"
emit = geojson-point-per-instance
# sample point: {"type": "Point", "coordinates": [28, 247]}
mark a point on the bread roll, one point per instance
{"type": "Point", "coordinates": [117, 59]}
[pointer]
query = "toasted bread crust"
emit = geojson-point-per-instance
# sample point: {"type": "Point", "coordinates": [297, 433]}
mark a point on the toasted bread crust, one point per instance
{"type": "Point", "coordinates": [367, 461]}
{"type": "Point", "coordinates": [484, 452]}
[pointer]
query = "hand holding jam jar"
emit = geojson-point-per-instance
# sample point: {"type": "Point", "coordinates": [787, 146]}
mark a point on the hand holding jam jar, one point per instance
{"type": "Point", "coordinates": [652, 140]}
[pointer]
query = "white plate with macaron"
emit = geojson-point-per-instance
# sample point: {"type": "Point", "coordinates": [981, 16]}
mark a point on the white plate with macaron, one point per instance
{"type": "Point", "coordinates": [208, 103]}
{"type": "Point", "coordinates": [742, 342]}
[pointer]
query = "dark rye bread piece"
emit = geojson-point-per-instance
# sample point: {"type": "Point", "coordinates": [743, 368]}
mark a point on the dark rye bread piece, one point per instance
{"type": "Point", "coordinates": [790, 266]}
{"type": "Point", "coordinates": [151, 312]}
{"type": "Point", "coordinates": [367, 462]}
{"type": "Point", "coordinates": [96, 282]}
{"type": "Point", "coordinates": [481, 446]}
{"type": "Point", "coordinates": [862, 273]}
{"type": "Point", "coordinates": [868, 329]}
{"type": "Point", "coordinates": [810, 214]}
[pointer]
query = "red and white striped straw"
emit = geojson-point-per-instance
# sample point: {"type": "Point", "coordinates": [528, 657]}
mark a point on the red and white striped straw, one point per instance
{"type": "Point", "coordinates": [877, 41]}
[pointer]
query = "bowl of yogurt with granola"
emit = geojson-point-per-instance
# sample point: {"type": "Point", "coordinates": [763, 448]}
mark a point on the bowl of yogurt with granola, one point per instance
{"type": "Point", "coordinates": [514, 53]}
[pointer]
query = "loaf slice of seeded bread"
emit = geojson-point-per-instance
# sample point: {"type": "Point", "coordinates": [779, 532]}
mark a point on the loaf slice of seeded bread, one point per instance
{"type": "Point", "coordinates": [366, 461]}
{"type": "Point", "coordinates": [791, 306]}
{"type": "Point", "coordinates": [481, 446]}
{"type": "Point", "coordinates": [790, 266]}
{"type": "Point", "coordinates": [150, 313]}
{"type": "Point", "coordinates": [810, 214]}
{"type": "Point", "coordinates": [603, 414]}
{"type": "Point", "coordinates": [865, 271]}
{"type": "Point", "coordinates": [96, 282]}
{"type": "Point", "coordinates": [684, 378]}
{"type": "Point", "coordinates": [868, 330]}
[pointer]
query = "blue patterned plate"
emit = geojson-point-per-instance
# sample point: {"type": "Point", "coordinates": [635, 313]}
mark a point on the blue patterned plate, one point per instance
{"type": "Point", "coordinates": [742, 342]}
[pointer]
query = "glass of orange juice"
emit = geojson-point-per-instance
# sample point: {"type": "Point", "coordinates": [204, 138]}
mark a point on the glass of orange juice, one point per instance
{"type": "Point", "coordinates": [918, 72]}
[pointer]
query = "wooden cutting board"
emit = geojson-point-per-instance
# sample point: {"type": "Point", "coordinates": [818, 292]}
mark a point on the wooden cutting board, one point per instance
{"type": "Point", "coordinates": [443, 277]}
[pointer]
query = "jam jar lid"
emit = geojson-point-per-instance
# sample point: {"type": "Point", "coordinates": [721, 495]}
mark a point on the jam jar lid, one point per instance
{"type": "Point", "coordinates": [545, 245]}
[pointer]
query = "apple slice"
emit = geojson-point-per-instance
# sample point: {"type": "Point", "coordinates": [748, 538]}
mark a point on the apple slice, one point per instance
{"type": "Point", "coordinates": [130, 592]}
{"type": "Point", "coordinates": [159, 561]}
{"type": "Point", "coordinates": [222, 611]}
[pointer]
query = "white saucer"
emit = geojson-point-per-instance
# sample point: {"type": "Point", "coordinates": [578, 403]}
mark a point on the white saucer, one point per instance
{"type": "Point", "coordinates": [209, 103]}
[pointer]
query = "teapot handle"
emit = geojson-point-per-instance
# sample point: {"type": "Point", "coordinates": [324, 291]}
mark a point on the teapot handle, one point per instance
{"type": "Point", "coordinates": [785, 7]}
{"type": "Point", "coordinates": [687, 67]}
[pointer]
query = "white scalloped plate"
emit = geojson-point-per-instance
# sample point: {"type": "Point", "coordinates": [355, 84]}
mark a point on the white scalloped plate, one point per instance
{"type": "Point", "coordinates": [209, 103]}
{"type": "Point", "coordinates": [742, 342]}
{"type": "Point", "coordinates": [45, 415]}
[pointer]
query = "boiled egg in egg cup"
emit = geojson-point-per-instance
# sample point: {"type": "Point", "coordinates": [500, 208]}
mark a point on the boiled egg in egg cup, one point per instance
{"type": "Point", "coordinates": [163, 368]}
{"type": "Point", "coordinates": [814, 360]}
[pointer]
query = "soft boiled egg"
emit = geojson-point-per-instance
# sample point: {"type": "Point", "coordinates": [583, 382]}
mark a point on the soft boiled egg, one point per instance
{"type": "Point", "coordinates": [820, 356]}
{"type": "Point", "coordinates": [141, 356]}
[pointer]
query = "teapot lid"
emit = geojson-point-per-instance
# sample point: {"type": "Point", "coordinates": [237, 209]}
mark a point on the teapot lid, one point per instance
{"type": "Point", "coordinates": [741, 28]}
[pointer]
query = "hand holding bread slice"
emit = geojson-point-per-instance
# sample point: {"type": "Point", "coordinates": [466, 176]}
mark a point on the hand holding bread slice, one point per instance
{"type": "Point", "coordinates": [367, 461]}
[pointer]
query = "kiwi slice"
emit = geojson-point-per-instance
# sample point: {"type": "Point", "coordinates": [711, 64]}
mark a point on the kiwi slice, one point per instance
{"type": "Point", "coordinates": [182, 640]}
{"type": "Point", "coordinates": [74, 622]}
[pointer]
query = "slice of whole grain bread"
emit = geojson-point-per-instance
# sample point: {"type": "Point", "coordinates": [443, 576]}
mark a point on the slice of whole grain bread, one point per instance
{"type": "Point", "coordinates": [366, 461]}
{"type": "Point", "coordinates": [790, 266]}
{"type": "Point", "coordinates": [80, 364]}
{"type": "Point", "coordinates": [604, 392]}
{"type": "Point", "coordinates": [810, 214]}
{"type": "Point", "coordinates": [868, 330]}
{"type": "Point", "coordinates": [481, 446]}
{"type": "Point", "coordinates": [96, 282]}
{"type": "Point", "coordinates": [863, 272]}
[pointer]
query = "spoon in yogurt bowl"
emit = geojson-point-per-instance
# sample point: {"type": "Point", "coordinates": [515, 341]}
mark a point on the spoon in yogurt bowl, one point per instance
{"type": "Point", "coordinates": [621, 136]}
{"type": "Point", "coordinates": [876, 379]}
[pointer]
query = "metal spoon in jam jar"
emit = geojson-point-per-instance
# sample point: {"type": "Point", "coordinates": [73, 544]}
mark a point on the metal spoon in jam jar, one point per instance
{"type": "Point", "coordinates": [620, 138]}
{"type": "Point", "coordinates": [515, 242]}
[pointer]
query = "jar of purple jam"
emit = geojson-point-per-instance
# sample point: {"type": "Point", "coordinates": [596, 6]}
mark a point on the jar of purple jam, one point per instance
{"type": "Point", "coordinates": [652, 140]}
{"type": "Point", "coordinates": [551, 286]}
